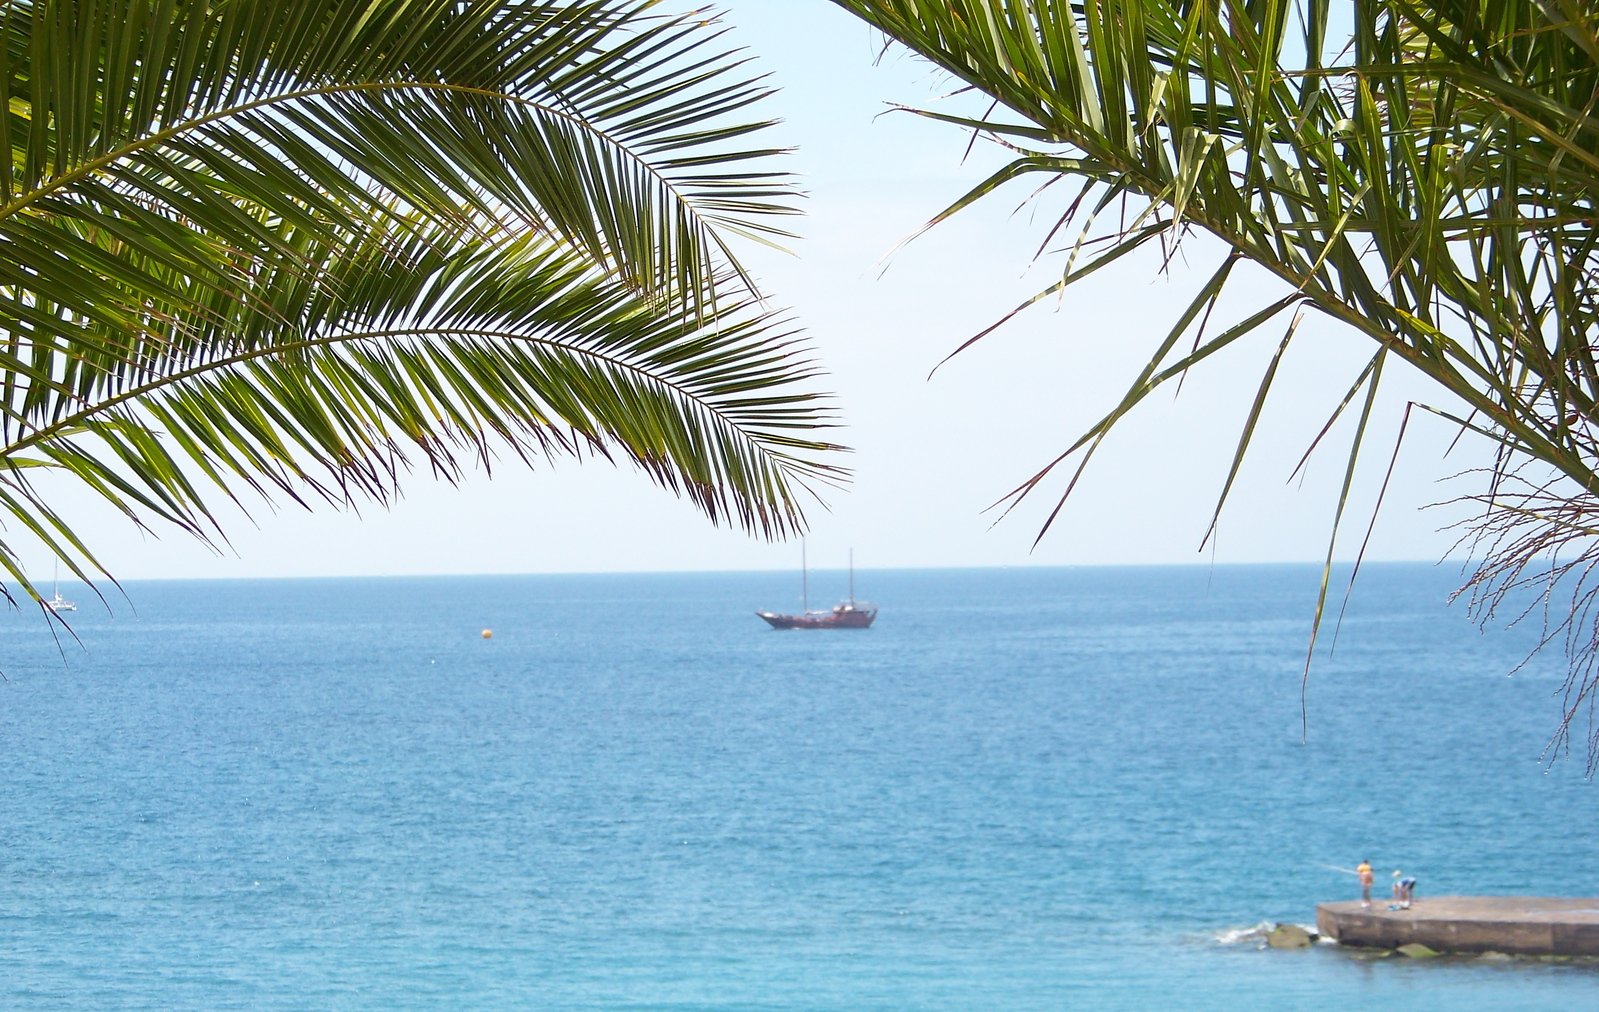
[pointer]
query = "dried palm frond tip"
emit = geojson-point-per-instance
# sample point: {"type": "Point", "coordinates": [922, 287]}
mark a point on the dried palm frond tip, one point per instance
{"type": "Point", "coordinates": [1424, 176]}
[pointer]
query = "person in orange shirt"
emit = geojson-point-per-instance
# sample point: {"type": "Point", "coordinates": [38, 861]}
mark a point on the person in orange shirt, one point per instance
{"type": "Point", "coordinates": [1364, 871]}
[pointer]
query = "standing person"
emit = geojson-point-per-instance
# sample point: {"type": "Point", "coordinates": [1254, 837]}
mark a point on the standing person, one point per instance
{"type": "Point", "coordinates": [1363, 870]}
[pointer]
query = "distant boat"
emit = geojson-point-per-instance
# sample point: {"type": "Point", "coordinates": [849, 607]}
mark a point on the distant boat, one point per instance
{"type": "Point", "coordinates": [59, 603]}
{"type": "Point", "coordinates": [849, 614]}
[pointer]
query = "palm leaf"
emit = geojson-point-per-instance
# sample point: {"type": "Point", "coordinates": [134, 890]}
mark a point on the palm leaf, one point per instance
{"type": "Point", "coordinates": [1430, 185]}
{"type": "Point", "coordinates": [299, 248]}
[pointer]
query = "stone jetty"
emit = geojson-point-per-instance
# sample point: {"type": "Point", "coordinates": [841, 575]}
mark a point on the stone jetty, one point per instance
{"type": "Point", "coordinates": [1523, 925]}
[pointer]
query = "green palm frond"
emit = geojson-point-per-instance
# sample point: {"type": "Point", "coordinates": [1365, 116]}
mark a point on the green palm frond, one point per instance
{"type": "Point", "coordinates": [1430, 183]}
{"type": "Point", "coordinates": [298, 248]}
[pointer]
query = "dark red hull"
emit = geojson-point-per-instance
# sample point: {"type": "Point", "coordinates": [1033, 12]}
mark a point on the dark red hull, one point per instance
{"type": "Point", "coordinates": [844, 616]}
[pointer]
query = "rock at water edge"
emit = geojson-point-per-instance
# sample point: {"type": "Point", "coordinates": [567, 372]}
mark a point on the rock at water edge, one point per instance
{"type": "Point", "coordinates": [1415, 950]}
{"type": "Point", "coordinates": [1288, 936]}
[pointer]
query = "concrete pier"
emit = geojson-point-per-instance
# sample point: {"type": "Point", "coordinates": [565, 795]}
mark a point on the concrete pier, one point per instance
{"type": "Point", "coordinates": [1525, 925]}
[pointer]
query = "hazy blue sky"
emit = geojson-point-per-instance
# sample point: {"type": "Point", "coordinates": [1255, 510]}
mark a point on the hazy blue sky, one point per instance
{"type": "Point", "coordinates": [931, 453]}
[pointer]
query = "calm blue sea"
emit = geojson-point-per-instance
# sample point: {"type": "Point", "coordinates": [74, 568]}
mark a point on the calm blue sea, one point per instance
{"type": "Point", "coordinates": [1032, 788]}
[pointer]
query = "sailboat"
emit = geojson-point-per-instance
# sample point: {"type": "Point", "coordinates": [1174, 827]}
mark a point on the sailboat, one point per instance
{"type": "Point", "coordinates": [848, 614]}
{"type": "Point", "coordinates": [59, 603]}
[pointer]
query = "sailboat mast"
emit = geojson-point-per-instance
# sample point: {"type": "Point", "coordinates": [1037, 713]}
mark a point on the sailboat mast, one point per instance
{"type": "Point", "coordinates": [805, 582]}
{"type": "Point", "coordinates": [852, 577]}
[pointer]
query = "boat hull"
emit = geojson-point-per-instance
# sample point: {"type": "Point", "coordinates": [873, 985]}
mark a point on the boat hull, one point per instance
{"type": "Point", "coordinates": [838, 618]}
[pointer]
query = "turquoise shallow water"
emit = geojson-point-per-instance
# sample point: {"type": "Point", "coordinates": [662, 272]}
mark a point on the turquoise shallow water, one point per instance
{"type": "Point", "coordinates": [1036, 788]}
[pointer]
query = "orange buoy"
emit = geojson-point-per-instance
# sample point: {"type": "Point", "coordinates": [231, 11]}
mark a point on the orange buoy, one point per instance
{"type": "Point", "coordinates": [488, 634]}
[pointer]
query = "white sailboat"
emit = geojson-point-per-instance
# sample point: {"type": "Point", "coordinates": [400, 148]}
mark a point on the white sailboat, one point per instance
{"type": "Point", "coordinates": [57, 603]}
{"type": "Point", "coordinates": [850, 614]}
